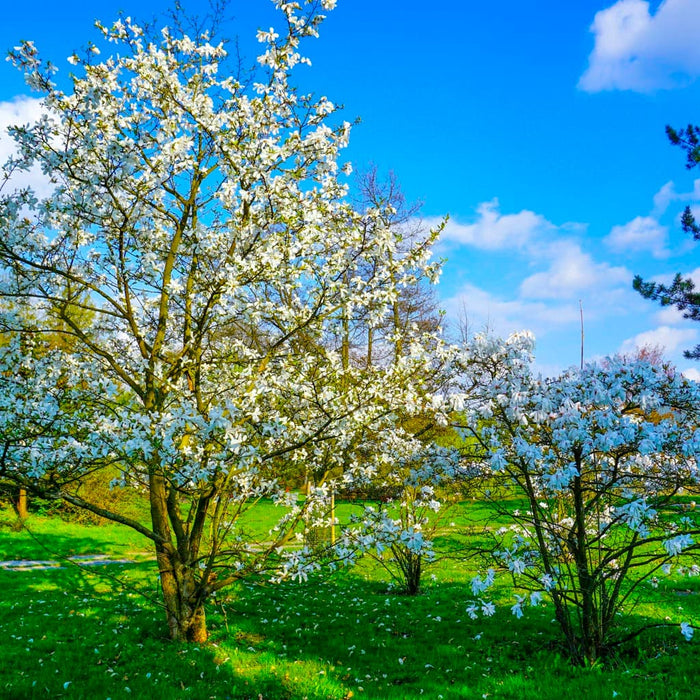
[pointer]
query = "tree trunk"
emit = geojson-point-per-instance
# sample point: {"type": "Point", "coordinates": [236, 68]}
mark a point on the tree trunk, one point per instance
{"type": "Point", "coordinates": [414, 574]}
{"type": "Point", "coordinates": [410, 565]}
{"type": "Point", "coordinates": [182, 594]}
{"type": "Point", "coordinates": [590, 631]}
{"type": "Point", "coordinates": [184, 608]}
{"type": "Point", "coordinates": [22, 511]}
{"type": "Point", "coordinates": [20, 506]}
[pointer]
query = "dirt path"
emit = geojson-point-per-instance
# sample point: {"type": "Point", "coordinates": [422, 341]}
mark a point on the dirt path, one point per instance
{"type": "Point", "coordinates": [81, 559]}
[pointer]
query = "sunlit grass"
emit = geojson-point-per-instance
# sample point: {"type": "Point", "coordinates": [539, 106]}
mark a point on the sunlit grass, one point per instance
{"type": "Point", "coordinates": [80, 634]}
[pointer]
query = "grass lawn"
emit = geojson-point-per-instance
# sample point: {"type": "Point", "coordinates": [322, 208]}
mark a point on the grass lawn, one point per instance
{"type": "Point", "coordinates": [79, 633]}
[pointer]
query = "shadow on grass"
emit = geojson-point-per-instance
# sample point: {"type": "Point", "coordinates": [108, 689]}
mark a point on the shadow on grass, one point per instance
{"type": "Point", "coordinates": [78, 634]}
{"type": "Point", "coordinates": [388, 646]}
{"type": "Point", "coordinates": [54, 539]}
{"type": "Point", "coordinates": [75, 633]}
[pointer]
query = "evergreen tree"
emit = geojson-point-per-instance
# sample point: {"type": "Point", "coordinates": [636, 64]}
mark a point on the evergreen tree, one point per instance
{"type": "Point", "coordinates": [681, 292]}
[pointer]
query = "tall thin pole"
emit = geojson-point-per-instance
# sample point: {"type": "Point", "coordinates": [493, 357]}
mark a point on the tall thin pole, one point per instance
{"type": "Point", "coordinates": [333, 517]}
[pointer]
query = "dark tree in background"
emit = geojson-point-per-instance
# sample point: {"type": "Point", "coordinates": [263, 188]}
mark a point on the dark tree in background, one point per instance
{"type": "Point", "coordinates": [681, 292]}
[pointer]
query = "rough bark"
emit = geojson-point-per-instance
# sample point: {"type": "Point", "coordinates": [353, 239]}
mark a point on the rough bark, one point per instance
{"type": "Point", "coordinates": [185, 612]}
{"type": "Point", "coordinates": [182, 593]}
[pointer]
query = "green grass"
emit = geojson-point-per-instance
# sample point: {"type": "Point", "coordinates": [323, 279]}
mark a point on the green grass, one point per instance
{"type": "Point", "coordinates": [47, 538]}
{"type": "Point", "coordinates": [73, 633]}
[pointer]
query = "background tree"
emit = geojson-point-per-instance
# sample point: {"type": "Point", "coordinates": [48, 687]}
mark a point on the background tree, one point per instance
{"type": "Point", "coordinates": [681, 292]}
{"type": "Point", "coordinates": [409, 479]}
{"type": "Point", "coordinates": [201, 220]}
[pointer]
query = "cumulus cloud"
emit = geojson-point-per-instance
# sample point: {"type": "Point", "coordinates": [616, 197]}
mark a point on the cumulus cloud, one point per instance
{"type": "Point", "coordinates": [637, 50]}
{"type": "Point", "coordinates": [664, 197]}
{"type": "Point", "coordinates": [642, 234]}
{"type": "Point", "coordinates": [570, 273]}
{"type": "Point", "coordinates": [552, 271]}
{"type": "Point", "coordinates": [667, 279]}
{"type": "Point", "coordinates": [669, 316]}
{"type": "Point", "coordinates": [670, 339]}
{"type": "Point", "coordinates": [646, 234]}
{"type": "Point", "coordinates": [538, 284]}
{"type": "Point", "coordinates": [503, 313]}
{"type": "Point", "coordinates": [487, 311]}
{"type": "Point", "coordinates": [20, 111]}
{"type": "Point", "coordinates": [495, 231]}
{"type": "Point", "coordinates": [668, 194]}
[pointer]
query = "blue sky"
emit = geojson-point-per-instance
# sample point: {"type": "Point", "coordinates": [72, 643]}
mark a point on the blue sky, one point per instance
{"type": "Point", "coordinates": [538, 127]}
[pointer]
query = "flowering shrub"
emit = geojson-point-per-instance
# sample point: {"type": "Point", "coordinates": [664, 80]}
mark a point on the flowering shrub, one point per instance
{"type": "Point", "coordinates": [588, 468]}
{"type": "Point", "coordinates": [398, 534]}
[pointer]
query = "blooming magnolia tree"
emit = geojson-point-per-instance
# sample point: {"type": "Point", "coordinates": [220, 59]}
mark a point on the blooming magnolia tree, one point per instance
{"type": "Point", "coordinates": [199, 222]}
{"type": "Point", "coordinates": [399, 533]}
{"type": "Point", "coordinates": [588, 466]}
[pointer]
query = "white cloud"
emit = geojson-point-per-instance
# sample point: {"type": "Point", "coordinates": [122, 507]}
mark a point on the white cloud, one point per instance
{"type": "Point", "coordinates": [569, 270]}
{"type": "Point", "coordinates": [668, 278]}
{"type": "Point", "coordinates": [671, 339]}
{"type": "Point", "coordinates": [695, 211]}
{"type": "Point", "coordinates": [637, 50]}
{"type": "Point", "coordinates": [646, 234]}
{"type": "Point", "coordinates": [555, 272]}
{"type": "Point", "coordinates": [20, 111]}
{"type": "Point", "coordinates": [539, 285]}
{"type": "Point", "coordinates": [667, 195]}
{"type": "Point", "coordinates": [664, 197]}
{"type": "Point", "coordinates": [642, 234]}
{"type": "Point", "coordinates": [570, 273]}
{"type": "Point", "coordinates": [495, 231]}
{"type": "Point", "coordinates": [484, 310]}
{"type": "Point", "coordinates": [669, 316]}
{"type": "Point", "coordinates": [692, 373]}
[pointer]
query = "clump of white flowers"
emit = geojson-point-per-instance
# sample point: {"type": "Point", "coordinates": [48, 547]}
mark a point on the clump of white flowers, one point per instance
{"type": "Point", "coordinates": [594, 459]}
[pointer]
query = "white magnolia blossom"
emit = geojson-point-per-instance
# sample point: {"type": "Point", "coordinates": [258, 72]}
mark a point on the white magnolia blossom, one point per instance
{"type": "Point", "coordinates": [677, 544]}
{"type": "Point", "coordinates": [687, 630]}
{"type": "Point", "coordinates": [517, 609]}
{"type": "Point", "coordinates": [479, 585]}
{"type": "Point", "coordinates": [399, 533]}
